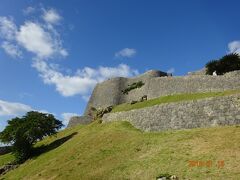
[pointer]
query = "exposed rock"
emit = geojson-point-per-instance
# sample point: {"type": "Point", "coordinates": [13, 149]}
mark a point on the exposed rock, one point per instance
{"type": "Point", "coordinates": [92, 111]}
{"type": "Point", "coordinates": [103, 111]}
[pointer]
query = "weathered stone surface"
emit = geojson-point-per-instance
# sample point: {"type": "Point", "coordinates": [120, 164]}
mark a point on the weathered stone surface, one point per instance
{"type": "Point", "coordinates": [183, 115]}
{"type": "Point", "coordinates": [109, 93]}
{"type": "Point", "coordinates": [199, 72]}
{"type": "Point", "coordinates": [75, 120]}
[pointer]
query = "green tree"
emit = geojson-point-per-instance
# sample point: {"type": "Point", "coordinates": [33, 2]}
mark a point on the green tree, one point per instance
{"type": "Point", "coordinates": [211, 66]}
{"type": "Point", "coordinates": [230, 62]}
{"type": "Point", "coordinates": [24, 132]}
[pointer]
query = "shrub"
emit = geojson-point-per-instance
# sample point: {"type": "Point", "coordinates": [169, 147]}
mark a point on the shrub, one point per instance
{"type": "Point", "coordinates": [230, 62]}
{"type": "Point", "coordinates": [97, 114]}
{"type": "Point", "coordinates": [133, 86]}
{"type": "Point", "coordinates": [211, 66]}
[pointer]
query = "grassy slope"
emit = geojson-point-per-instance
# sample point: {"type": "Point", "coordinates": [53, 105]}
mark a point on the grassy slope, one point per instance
{"type": "Point", "coordinates": [172, 98]}
{"type": "Point", "coordinates": [119, 151]}
{"type": "Point", "coordinates": [4, 159]}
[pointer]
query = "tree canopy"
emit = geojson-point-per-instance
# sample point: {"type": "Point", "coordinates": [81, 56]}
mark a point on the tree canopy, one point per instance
{"type": "Point", "coordinates": [23, 132]}
{"type": "Point", "coordinates": [230, 62]}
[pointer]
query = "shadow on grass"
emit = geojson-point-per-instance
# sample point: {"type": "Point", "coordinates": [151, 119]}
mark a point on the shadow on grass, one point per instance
{"type": "Point", "coordinates": [45, 148]}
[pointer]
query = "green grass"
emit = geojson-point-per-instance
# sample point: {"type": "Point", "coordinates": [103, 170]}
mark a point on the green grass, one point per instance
{"type": "Point", "coordinates": [6, 158]}
{"type": "Point", "coordinates": [119, 151]}
{"type": "Point", "coordinates": [172, 98]}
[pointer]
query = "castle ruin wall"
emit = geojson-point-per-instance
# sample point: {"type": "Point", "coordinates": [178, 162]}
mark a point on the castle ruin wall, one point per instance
{"type": "Point", "coordinates": [109, 92]}
{"type": "Point", "coordinates": [183, 115]}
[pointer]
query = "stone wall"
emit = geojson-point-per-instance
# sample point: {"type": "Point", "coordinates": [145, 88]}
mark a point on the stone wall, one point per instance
{"type": "Point", "coordinates": [75, 120]}
{"type": "Point", "coordinates": [183, 115]}
{"type": "Point", "coordinates": [109, 92]}
{"type": "Point", "coordinates": [199, 72]}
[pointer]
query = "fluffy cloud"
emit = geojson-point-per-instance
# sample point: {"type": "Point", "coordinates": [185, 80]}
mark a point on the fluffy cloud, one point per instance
{"type": "Point", "coordinates": [35, 39]}
{"type": "Point", "coordinates": [83, 81]}
{"type": "Point", "coordinates": [66, 117]}
{"type": "Point", "coordinates": [13, 108]}
{"type": "Point", "coordinates": [234, 47]}
{"type": "Point", "coordinates": [28, 10]}
{"type": "Point", "coordinates": [65, 85]}
{"type": "Point", "coordinates": [8, 29]}
{"type": "Point", "coordinates": [126, 52]}
{"type": "Point", "coordinates": [42, 40]}
{"type": "Point", "coordinates": [11, 49]}
{"type": "Point", "coordinates": [51, 16]}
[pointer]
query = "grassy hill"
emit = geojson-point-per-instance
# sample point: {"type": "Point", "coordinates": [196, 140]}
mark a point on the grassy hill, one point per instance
{"type": "Point", "coordinates": [119, 151]}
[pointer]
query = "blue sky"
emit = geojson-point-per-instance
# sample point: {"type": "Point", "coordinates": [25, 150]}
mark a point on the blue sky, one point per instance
{"type": "Point", "coordinates": [52, 53]}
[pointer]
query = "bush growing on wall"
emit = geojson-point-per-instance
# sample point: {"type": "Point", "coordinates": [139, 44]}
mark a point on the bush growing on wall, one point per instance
{"type": "Point", "coordinates": [133, 86]}
{"type": "Point", "coordinates": [230, 62]}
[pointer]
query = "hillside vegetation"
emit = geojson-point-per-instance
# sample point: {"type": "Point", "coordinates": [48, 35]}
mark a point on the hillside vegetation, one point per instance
{"type": "Point", "coordinates": [119, 151]}
{"type": "Point", "coordinates": [172, 98]}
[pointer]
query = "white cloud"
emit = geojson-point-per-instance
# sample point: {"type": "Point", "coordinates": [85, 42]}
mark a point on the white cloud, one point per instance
{"type": "Point", "coordinates": [126, 52]}
{"type": "Point", "coordinates": [45, 112]}
{"type": "Point", "coordinates": [11, 49]}
{"type": "Point", "coordinates": [13, 108]}
{"type": "Point", "coordinates": [83, 81]}
{"type": "Point", "coordinates": [34, 39]}
{"type": "Point", "coordinates": [234, 47]}
{"type": "Point", "coordinates": [63, 52]}
{"type": "Point", "coordinates": [171, 70]}
{"type": "Point", "coordinates": [16, 109]}
{"type": "Point", "coordinates": [65, 85]}
{"type": "Point", "coordinates": [8, 28]}
{"type": "Point", "coordinates": [41, 39]}
{"type": "Point", "coordinates": [51, 16]}
{"type": "Point", "coordinates": [67, 116]}
{"type": "Point", "coordinates": [29, 10]}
